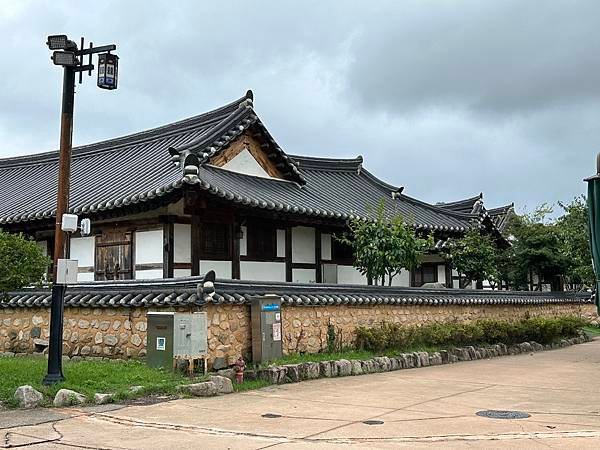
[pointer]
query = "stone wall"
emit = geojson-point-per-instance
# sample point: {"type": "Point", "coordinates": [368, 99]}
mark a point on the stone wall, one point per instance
{"type": "Point", "coordinates": [121, 332]}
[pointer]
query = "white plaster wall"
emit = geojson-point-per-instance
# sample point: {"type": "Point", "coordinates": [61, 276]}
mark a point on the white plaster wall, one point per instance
{"type": "Point", "coordinates": [441, 273]}
{"type": "Point", "coordinates": [182, 273]}
{"type": "Point", "coordinates": [303, 245]}
{"type": "Point", "coordinates": [83, 250]}
{"type": "Point", "coordinates": [304, 275]}
{"type": "Point", "coordinates": [262, 271]}
{"type": "Point", "coordinates": [280, 243]}
{"type": "Point", "coordinates": [402, 279]}
{"type": "Point", "coordinates": [455, 283]}
{"type": "Point", "coordinates": [244, 241]}
{"type": "Point", "coordinates": [350, 275]}
{"type": "Point", "coordinates": [244, 162]}
{"type": "Point", "coordinates": [149, 247]}
{"type": "Point", "coordinates": [326, 246]}
{"type": "Point", "coordinates": [148, 274]}
{"type": "Point", "coordinates": [222, 268]}
{"type": "Point", "coordinates": [182, 237]}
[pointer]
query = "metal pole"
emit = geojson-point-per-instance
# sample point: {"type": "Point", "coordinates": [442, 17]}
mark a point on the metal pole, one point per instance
{"type": "Point", "coordinates": [55, 374]}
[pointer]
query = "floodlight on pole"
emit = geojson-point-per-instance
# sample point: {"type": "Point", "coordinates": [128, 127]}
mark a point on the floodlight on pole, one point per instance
{"type": "Point", "coordinates": [70, 58]}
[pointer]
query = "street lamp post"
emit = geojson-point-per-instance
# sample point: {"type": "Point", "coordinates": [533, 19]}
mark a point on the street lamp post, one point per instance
{"type": "Point", "coordinates": [70, 57]}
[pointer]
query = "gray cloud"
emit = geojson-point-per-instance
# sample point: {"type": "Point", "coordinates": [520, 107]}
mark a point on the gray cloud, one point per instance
{"type": "Point", "coordinates": [445, 98]}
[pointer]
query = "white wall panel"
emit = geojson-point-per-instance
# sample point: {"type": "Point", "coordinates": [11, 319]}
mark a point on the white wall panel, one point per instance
{"type": "Point", "coordinates": [350, 275]}
{"type": "Point", "coordinates": [303, 245]}
{"type": "Point", "coordinates": [43, 245]}
{"type": "Point", "coordinates": [441, 273]}
{"type": "Point", "coordinates": [280, 243]}
{"type": "Point", "coordinates": [148, 274]}
{"type": "Point", "coordinates": [402, 279]}
{"type": "Point", "coordinates": [82, 249]}
{"type": "Point", "coordinates": [182, 273]}
{"type": "Point", "coordinates": [149, 247]}
{"type": "Point", "coordinates": [244, 241]}
{"type": "Point", "coordinates": [326, 246]}
{"type": "Point", "coordinates": [244, 162]}
{"type": "Point", "coordinates": [182, 237]}
{"type": "Point", "coordinates": [262, 271]}
{"type": "Point", "coordinates": [85, 276]}
{"type": "Point", "coordinates": [304, 276]}
{"type": "Point", "coordinates": [222, 268]}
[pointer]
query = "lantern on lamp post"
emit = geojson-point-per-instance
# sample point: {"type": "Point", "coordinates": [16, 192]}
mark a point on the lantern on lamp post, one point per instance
{"type": "Point", "coordinates": [108, 68]}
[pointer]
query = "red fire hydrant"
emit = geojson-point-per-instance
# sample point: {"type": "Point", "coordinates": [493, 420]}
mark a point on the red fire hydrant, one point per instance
{"type": "Point", "coordinates": [239, 367]}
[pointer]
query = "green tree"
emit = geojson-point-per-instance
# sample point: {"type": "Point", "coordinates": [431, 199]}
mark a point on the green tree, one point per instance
{"type": "Point", "coordinates": [22, 262]}
{"type": "Point", "coordinates": [474, 256]}
{"type": "Point", "coordinates": [573, 233]}
{"type": "Point", "coordinates": [384, 246]}
{"type": "Point", "coordinates": [537, 249]}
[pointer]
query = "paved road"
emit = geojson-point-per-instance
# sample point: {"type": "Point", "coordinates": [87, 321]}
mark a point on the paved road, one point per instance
{"type": "Point", "coordinates": [418, 408]}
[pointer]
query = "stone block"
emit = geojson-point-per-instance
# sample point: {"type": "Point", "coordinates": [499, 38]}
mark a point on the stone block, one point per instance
{"type": "Point", "coordinates": [27, 397]}
{"type": "Point", "coordinates": [292, 373]}
{"type": "Point", "coordinates": [223, 384]}
{"type": "Point", "coordinates": [435, 359]}
{"type": "Point", "coordinates": [423, 359]}
{"type": "Point", "coordinates": [227, 373]}
{"type": "Point", "coordinates": [309, 371]}
{"type": "Point", "coordinates": [356, 367]}
{"type": "Point", "coordinates": [204, 389]}
{"type": "Point", "coordinates": [444, 355]}
{"type": "Point", "coordinates": [326, 370]}
{"type": "Point", "coordinates": [103, 399]}
{"type": "Point", "coordinates": [67, 397]}
{"type": "Point", "coordinates": [343, 368]}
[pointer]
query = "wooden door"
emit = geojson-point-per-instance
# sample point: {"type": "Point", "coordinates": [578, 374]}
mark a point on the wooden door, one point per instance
{"type": "Point", "coordinates": [114, 255]}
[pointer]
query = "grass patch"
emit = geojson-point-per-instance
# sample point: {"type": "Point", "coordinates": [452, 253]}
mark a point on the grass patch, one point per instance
{"type": "Point", "coordinates": [593, 330]}
{"type": "Point", "coordinates": [88, 378]}
{"type": "Point", "coordinates": [249, 385]}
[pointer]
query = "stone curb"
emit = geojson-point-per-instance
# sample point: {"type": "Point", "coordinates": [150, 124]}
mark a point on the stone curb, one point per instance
{"type": "Point", "coordinates": [293, 373]}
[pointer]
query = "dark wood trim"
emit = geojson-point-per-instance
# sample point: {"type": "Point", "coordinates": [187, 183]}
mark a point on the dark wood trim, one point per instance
{"type": "Point", "coordinates": [304, 266]}
{"type": "Point", "coordinates": [250, 258]}
{"type": "Point", "coordinates": [235, 252]}
{"type": "Point", "coordinates": [318, 269]}
{"type": "Point", "coordinates": [149, 266]}
{"type": "Point", "coordinates": [288, 254]}
{"type": "Point", "coordinates": [195, 250]}
{"type": "Point", "coordinates": [182, 265]}
{"type": "Point", "coordinates": [168, 249]}
{"type": "Point", "coordinates": [449, 282]}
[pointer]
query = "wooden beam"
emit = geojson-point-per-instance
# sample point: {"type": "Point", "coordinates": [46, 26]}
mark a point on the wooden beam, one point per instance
{"type": "Point", "coordinates": [195, 250]}
{"type": "Point", "coordinates": [235, 260]}
{"type": "Point", "coordinates": [319, 271]}
{"type": "Point", "coordinates": [168, 249]}
{"type": "Point", "coordinates": [288, 254]}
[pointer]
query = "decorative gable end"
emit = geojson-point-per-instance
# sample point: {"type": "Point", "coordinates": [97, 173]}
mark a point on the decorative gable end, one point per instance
{"type": "Point", "coordinates": [245, 155]}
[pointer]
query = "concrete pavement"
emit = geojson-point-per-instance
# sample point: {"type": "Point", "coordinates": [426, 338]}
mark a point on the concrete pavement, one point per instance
{"type": "Point", "coordinates": [416, 408]}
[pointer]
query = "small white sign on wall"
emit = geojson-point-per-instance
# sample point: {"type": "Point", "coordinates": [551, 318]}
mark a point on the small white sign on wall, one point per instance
{"type": "Point", "coordinates": [277, 331]}
{"type": "Point", "coordinates": [161, 343]}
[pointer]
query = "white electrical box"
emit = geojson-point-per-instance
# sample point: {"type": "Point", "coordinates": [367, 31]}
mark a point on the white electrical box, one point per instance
{"type": "Point", "coordinates": [69, 223]}
{"type": "Point", "coordinates": [66, 271]}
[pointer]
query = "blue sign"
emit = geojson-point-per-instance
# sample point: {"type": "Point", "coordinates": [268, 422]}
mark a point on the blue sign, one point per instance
{"type": "Point", "coordinates": [270, 307]}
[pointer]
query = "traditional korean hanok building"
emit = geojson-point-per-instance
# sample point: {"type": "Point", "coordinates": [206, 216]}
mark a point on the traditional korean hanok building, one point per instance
{"type": "Point", "coordinates": [216, 192]}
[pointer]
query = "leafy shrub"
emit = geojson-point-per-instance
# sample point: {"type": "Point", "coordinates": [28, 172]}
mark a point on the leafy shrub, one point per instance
{"type": "Point", "coordinates": [21, 262]}
{"type": "Point", "coordinates": [391, 336]}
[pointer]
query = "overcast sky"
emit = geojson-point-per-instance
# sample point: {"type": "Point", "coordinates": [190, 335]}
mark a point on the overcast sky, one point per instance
{"type": "Point", "coordinates": [445, 98]}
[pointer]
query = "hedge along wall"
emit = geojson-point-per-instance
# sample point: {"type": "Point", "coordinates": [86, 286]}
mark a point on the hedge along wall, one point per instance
{"type": "Point", "coordinates": [121, 332]}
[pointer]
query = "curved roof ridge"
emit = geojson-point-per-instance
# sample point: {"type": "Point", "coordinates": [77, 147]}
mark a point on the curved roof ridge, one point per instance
{"type": "Point", "coordinates": [501, 209]}
{"type": "Point", "coordinates": [440, 209]}
{"type": "Point", "coordinates": [128, 139]}
{"type": "Point", "coordinates": [461, 202]}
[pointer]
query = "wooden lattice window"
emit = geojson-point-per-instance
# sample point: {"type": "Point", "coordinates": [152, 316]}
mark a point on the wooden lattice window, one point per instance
{"type": "Point", "coordinates": [215, 241]}
{"type": "Point", "coordinates": [261, 242]}
{"type": "Point", "coordinates": [425, 273]}
{"type": "Point", "coordinates": [114, 255]}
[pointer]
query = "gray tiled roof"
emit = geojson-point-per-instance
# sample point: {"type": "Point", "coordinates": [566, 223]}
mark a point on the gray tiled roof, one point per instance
{"type": "Point", "coordinates": [195, 291]}
{"type": "Point", "coordinates": [141, 167]}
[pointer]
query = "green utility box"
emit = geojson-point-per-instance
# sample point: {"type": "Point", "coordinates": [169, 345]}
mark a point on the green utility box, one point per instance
{"type": "Point", "coordinates": [266, 328]}
{"type": "Point", "coordinates": [173, 335]}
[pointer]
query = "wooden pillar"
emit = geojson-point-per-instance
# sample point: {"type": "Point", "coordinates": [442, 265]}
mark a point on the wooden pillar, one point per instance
{"type": "Point", "coordinates": [195, 250]}
{"type": "Point", "coordinates": [288, 254]}
{"type": "Point", "coordinates": [318, 268]}
{"type": "Point", "coordinates": [168, 248]}
{"type": "Point", "coordinates": [235, 260]}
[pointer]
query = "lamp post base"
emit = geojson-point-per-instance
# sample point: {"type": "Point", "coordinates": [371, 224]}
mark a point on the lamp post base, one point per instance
{"type": "Point", "coordinates": [55, 373]}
